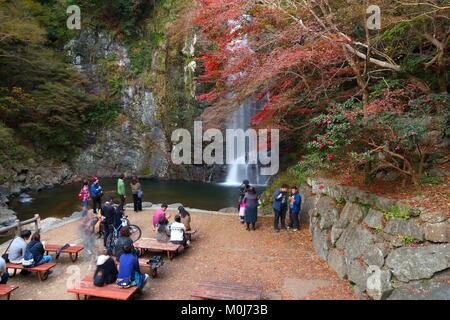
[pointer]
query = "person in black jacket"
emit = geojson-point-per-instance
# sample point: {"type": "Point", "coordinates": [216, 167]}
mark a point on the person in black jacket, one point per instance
{"type": "Point", "coordinates": [109, 218]}
{"type": "Point", "coordinates": [36, 248]}
{"type": "Point", "coordinates": [106, 271]}
{"type": "Point", "coordinates": [123, 241]}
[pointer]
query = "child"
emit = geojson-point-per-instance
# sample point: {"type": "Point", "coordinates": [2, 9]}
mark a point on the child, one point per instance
{"type": "Point", "coordinates": [242, 211]}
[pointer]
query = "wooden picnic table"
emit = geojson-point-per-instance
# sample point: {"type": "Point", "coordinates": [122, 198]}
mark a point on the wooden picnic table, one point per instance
{"type": "Point", "coordinates": [108, 291]}
{"type": "Point", "coordinates": [226, 290]}
{"type": "Point", "coordinates": [73, 250]}
{"type": "Point", "coordinates": [148, 244]}
{"type": "Point", "coordinates": [6, 289]}
{"type": "Point", "coordinates": [42, 270]}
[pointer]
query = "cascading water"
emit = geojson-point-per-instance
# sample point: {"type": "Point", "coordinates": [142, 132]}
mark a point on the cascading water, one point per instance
{"type": "Point", "coordinates": [237, 171]}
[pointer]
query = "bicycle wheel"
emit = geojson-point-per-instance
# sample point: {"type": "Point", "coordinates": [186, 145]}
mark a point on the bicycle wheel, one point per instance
{"type": "Point", "coordinates": [110, 243]}
{"type": "Point", "coordinates": [135, 232]}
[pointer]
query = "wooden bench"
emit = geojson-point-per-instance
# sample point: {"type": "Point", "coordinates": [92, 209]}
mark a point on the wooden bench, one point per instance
{"type": "Point", "coordinates": [108, 291]}
{"type": "Point", "coordinates": [148, 244]}
{"type": "Point", "coordinates": [226, 290]}
{"type": "Point", "coordinates": [42, 270]}
{"type": "Point", "coordinates": [6, 289]}
{"type": "Point", "coordinates": [73, 250]}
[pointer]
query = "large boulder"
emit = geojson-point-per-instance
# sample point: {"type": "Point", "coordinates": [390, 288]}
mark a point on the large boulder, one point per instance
{"type": "Point", "coordinates": [327, 211]}
{"type": "Point", "coordinates": [336, 260]}
{"type": "Point", "coordinates": [378, 284]}
{"type": "Point", "coordinates": [374, 219]}
{"type": "Point", "coordinates": [321, 243]}
{"type": "Point", "coordinates": [374, 256]}
{"type": "Point", "coordinates": [357, 274]}
{"type": "Point", "coordinates": [437, 232]}
{"type": "Point", "coordinates": [404, 228]}
{"type": "Point", "coordinates": [418, 263]}
{"type": "Point", "coordinates": [7, 216]}
{"type": "Point", "coordinates": [352, 213]}
{"type": "Point", "coordinates": [434, 217]}
{"type": "Point", "coordinates": [355, 241]}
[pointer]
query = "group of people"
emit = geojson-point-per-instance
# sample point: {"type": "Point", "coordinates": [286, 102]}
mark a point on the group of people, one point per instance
{"type": "Point", "coordinates": [25, 249]}
{"type": "Point", "coordinates": [282, 203]}
{"type": "Point", "coordinates": [172, 232]}
{"type": "Point", "coordinates": [95, 192]}
{"type": "Point", "coordinates": [129, 273]}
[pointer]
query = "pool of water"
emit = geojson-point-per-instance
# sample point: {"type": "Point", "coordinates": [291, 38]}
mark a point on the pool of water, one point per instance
{"type": "Point", "coordinates": [62, 201]}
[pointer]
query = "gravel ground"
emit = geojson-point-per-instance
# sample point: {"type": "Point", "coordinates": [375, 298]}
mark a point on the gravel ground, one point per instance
{"type": "Point", "coordinates": [283, 263]}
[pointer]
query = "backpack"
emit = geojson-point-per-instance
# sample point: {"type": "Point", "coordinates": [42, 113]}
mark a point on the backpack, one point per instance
{"type": "Point", "coordinates": [28, 260]}
{"type": "Point", "coordinates": [81, 195]}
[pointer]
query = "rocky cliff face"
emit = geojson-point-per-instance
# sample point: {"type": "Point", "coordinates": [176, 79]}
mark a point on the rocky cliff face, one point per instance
{"type": "Point", "coordinates": [135, 143]}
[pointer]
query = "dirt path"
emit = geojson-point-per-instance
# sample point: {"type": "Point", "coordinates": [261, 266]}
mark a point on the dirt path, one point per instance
{"type": "Point", "coordinates": [283, 263]}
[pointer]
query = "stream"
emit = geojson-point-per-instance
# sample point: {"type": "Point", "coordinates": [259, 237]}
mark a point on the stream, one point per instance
{"type": "Point", "coordinates": [62, 201]}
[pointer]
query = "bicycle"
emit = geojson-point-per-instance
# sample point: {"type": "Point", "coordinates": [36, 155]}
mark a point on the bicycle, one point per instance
{"type": "Point", "coordinates": [135, 233]}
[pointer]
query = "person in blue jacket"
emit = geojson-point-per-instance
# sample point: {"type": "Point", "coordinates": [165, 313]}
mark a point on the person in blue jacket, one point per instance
{"type": "Point", "coordinates": [129, 270]}
{"type": "Point", "coordinates": [96, 193]}
{"type": "Point", "coordinates": [295, 206]}
{"type": "Point", "coordinates": [280, 206]}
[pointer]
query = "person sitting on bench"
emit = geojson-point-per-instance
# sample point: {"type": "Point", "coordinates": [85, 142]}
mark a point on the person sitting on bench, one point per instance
{"type": "Point", "coordinates": [163, 232]}
{"type": "Point", "coordinates": [178, 232]}
{"type": "Point", "coordinates": [123, 241]}
{"type": "Point", "coordinates": [106, 271]}
{"type": "Point", "coordinates": [36, 248]}
{"type": "Point", "coordinates": [18, 246]}
{"type": "Point", "coordinates": [4, 275]}
{"type": "Point", "coordinates": [129, 270]}
{"type": "Point", "coordinates": [161, 212]}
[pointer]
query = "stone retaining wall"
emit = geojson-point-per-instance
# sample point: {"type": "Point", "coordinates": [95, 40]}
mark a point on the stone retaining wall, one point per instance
{"type": "Point", "coordinates": [380, 257]}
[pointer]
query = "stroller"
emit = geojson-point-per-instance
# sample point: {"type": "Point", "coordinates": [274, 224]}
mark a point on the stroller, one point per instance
{"type": "Point", "coordinates": [155, 263]}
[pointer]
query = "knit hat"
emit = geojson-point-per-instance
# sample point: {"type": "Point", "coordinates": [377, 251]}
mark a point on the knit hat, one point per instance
{"type": "Point", "coordinates": [102, 259]}
{"type": "Point", "coordinates": [94, 178]}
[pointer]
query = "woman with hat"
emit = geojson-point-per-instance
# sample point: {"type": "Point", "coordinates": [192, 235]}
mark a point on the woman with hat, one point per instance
{"type": "Point", "coordinates": [106, 271]}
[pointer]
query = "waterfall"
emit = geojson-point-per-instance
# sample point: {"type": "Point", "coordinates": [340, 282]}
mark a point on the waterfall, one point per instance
{"type": "Point", "coordinates": [237, 171]}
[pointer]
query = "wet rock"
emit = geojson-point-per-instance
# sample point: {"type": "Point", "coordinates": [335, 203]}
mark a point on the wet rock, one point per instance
{"type": "Point", "coordinates": [374, 219]}
{"type": "Point", "coordinates": [7, 216]}
{"type": "Point", "coordinates": [418, 263]}
{"type": "Point", "coordinates": [437, 232]}
{"type": "Point", "coordinates": [378, 285]}
{"type": "Point", "coordinates": [404, 228]}
{"type": "Point", "coordinates": [336, 260]}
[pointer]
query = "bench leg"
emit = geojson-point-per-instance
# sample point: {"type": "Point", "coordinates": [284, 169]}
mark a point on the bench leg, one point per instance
{"type": "Point", "coordinates": [74, 257]}
{"type": "Point", "coordinates": [8, 296]}
{"type": "Point", "coordinates": [42, 275]}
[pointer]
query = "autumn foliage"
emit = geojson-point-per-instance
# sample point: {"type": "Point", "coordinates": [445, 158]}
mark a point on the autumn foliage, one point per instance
{"type": "Point", "coordinates": [301, 57]}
